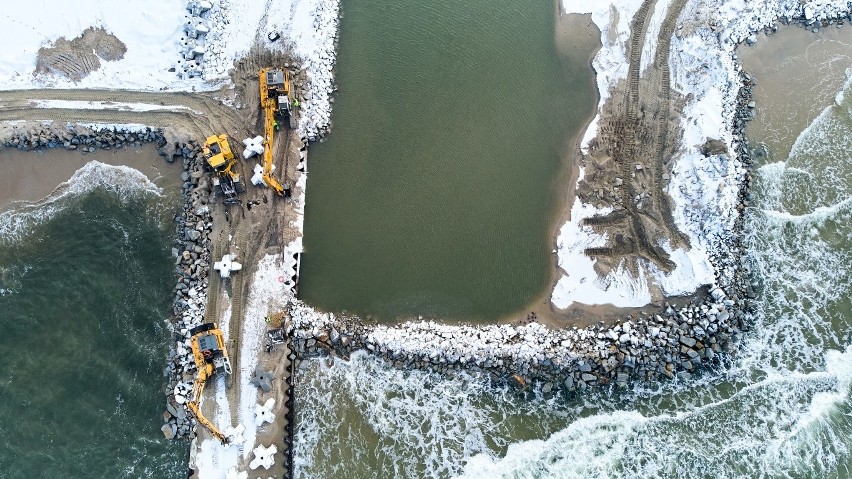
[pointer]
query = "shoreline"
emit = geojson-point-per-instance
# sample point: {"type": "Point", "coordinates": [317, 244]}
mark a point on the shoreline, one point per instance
{"type": "Point", "coordinates": [28, 180]}
{"type": "Point", "coordinates": [703, 332]}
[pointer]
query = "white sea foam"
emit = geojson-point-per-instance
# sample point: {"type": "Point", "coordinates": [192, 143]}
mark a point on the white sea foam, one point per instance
{"type": "Point", "coordinates": [567, 453]}
{"type": "Point", "coordinates": [767, 426]}
{"type": "Point", "coordinates": [123, 181]}
{"type": "Point", "coordinates": [426, 423]}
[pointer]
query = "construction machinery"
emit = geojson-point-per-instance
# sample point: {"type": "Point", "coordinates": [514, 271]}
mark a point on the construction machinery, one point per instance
{"type": "Point", "coordinates": [217, 152]}
{"type": "Point", "coordinates": [275, 95]}
{"type": "Point", "coordinates": [211, 358]}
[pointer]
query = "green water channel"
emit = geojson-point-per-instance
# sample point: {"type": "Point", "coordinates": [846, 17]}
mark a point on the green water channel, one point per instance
{"type": "Point", "coordinates": [437, 191]}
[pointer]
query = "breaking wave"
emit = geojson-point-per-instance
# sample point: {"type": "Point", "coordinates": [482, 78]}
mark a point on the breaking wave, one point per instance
{"type": "Point", "coordinates": [122, 181]}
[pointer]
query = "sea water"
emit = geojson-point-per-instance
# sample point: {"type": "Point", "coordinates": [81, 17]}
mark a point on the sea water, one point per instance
{"type": "Point", "coordinates": [782, 407]}
{"type": "Point", "coordinates": [85, 290]}
{"type": "Point", "coordinates": [437, 190]}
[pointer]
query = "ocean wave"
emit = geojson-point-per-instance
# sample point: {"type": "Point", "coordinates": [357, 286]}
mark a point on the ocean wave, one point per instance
{"type": "Point", "coordinates": [122, 181]}
{"type": "Point", "coordinates": [781, 426]}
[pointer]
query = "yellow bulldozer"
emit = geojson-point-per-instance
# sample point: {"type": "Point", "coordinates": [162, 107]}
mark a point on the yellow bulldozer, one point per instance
{"type": "Point", "coordinates": [211, 358]}
{"type": "Point", "coordinates": [217, 152]}
{"type": "Point", "coordinates": [275, 99]}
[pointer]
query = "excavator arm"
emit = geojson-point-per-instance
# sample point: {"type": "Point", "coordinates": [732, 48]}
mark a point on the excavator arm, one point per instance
{"type": "Point", "coordinates": [269, 105]}
{"type": "Point", "coordinates": [193, 405]}
{"type": "Point", "coordinates": [208, 350]}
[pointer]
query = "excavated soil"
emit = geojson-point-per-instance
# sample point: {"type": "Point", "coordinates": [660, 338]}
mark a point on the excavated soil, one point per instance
{"type": "Point", "coordinates": [75, 59]}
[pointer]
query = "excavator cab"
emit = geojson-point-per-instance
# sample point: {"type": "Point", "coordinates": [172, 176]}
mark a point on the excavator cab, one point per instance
{"type": "Point", "coordinates": [214, 353]}
{"type": "Point", "coordinates": [278, 90]}
{"type": "Point", "coordinates": [219, 156]}
{"type": "Point", "coordinates": [217, 152]}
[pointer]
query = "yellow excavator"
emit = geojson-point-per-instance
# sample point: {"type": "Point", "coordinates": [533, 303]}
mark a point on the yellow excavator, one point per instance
{"type": "Point", "coordinates": [211, 358]}
{"type": "Point", "coordinates": [217, 152]}
{"type": "Point", "coordinates": [275, 95]}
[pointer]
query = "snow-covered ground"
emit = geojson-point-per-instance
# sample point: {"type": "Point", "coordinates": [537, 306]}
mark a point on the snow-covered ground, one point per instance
{"type": "Point", "coordinates": [704, 189]}
{"type": "Point", "coordinates": [269, 294]}
{"type": "Point", "coordinates": [107, 105]}
{"type": "Point", "coordinates": [155, 36]}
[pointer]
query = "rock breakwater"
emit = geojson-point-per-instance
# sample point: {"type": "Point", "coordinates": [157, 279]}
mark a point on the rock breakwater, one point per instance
{"type": "Point", "coordinates": [193, 263]}
{"type": "Point", "coordinates": [85, 140]}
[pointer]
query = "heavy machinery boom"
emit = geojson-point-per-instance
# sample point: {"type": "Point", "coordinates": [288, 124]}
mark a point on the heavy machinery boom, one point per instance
{"type": "Point", "coordinates": [273, 85]}
{"type": "Point", "coordinates": [211, 357]}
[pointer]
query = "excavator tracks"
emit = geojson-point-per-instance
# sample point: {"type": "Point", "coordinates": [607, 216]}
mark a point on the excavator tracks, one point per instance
{"type": "Point", "coordinates": [634, 132]}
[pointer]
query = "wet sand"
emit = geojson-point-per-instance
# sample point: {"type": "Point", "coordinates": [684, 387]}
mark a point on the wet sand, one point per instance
{"type": "Point", "coordinates": [32, 175]}
{"type": "Point", "coordinates": [798, 74]}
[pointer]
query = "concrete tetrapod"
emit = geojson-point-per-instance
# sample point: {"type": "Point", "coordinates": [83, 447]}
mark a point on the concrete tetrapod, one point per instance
{"type": "Point", "coordinates": [227, 265]}
{"type": "Point", "coordinates": [263, 412]}
{"type": "Point", "coordinates": [263, 456]}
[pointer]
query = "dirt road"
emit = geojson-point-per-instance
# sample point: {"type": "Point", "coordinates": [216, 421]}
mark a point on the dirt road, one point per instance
{"type": "Point", "coordinates": [193, 114]}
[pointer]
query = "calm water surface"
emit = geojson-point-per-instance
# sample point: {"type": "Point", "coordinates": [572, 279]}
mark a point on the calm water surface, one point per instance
{"type": "Point", "coordinates": [436, 192]}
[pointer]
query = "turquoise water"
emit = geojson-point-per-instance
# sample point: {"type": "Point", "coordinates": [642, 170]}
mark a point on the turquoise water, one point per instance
{"type": "Point", "coordinates": [436, 192]}
{"type": "Point", "coordinates": [85, 287]}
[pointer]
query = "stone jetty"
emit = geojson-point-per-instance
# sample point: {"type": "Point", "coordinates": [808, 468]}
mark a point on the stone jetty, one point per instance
{"type": "Point", "coordinates": [85, 140]}
{"type": "Point", "coordinates": [192, 266]}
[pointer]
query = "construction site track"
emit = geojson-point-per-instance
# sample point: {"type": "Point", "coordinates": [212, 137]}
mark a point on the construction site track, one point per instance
{"type": "Point", "coordinates": [634, 135]}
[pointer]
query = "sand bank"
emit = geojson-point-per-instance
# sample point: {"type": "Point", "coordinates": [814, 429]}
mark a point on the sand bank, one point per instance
{"type": "Point", "coordinates": [32, 175]}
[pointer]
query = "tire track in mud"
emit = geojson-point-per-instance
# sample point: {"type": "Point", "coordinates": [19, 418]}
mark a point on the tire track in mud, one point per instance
{"type": "Point", "coordinates": [638, 133]}
{"type": "Point", "coordinates": [664, 150]}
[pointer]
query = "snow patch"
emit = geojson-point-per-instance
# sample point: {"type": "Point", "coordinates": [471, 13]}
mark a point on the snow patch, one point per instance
{"type": "Point", "coordinates": [704, 190]}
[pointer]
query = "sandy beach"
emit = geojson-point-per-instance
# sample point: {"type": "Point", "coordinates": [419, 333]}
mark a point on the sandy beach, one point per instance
{"type": "Point", "coordinates": [798, 73]}
{"type": "Point", "coordinates": [31, 176]}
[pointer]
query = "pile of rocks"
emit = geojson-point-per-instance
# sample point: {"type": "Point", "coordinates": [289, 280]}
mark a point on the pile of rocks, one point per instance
{"type": "Point", "coordinates": [315, 108]}
{"type": "Point", "coordinates": [673, 343]}
{"type": "Point", "coordinates": [192, 265]}
{"type": "Point", "coordinates": [83, 139]}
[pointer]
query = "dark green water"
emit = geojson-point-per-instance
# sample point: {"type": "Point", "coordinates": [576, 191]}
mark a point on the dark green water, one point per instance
{"type": "Point", "coordinates": [82, 308]}
{"type": "Point", "coordinates": [436, 192]}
